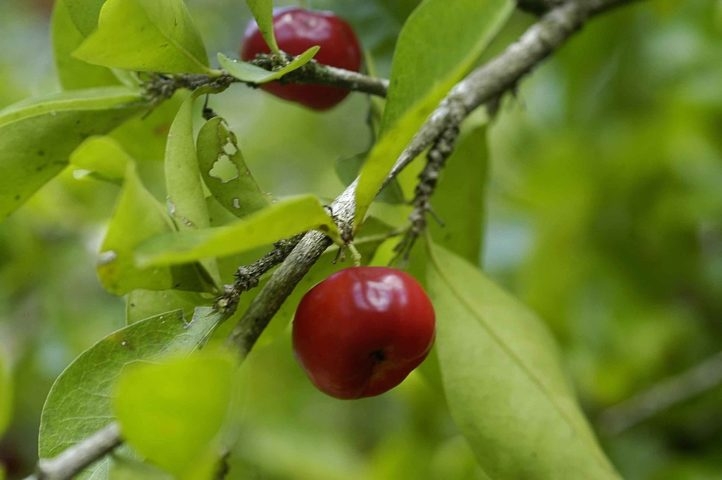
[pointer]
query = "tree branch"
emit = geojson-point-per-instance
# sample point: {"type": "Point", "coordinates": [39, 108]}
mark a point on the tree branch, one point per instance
{"type": "Point", "coordinates": [79, 456]}
{"type": "Point", "coordinates": [672, 391]}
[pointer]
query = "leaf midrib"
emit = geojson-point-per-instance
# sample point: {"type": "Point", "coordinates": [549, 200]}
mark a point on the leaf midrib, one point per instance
{"type": "Point", "coordinates": [515, 359]}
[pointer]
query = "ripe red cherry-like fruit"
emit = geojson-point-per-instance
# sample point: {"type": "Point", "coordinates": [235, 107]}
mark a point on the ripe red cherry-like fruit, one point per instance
{"type": "Point", "coordinates": [296, 31]}
{"type": "Point", "coordinates": [362, 330]}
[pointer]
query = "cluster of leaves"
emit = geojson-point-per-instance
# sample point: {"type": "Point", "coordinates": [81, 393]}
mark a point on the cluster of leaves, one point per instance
{"type": "Point", "coordinates": [495, 368]}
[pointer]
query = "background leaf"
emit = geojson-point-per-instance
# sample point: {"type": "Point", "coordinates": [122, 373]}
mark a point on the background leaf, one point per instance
{"type": "Point", "coordinates": [104, 157]}
{"type": "Point", "coordinates": [139, 216]}
{"type": "Point", "coordinates": [436, 48]}
{"type": "Point", "coordinates": [123, 468]}
{"type": "Point", "coordinates": [184, 399]}
{"type": "Point", "coordinates": [67, 36]}
{"type": "Point", "coordinates": [147, 35]}
{"type": "Point", "coordinates": [79, 402]}
{"type": "Point", "coordinates": [84, 14]}
{"type": "Point", "coordinates": [224, 170]}
{"type": "Point", "coordinates": [38, 136]}
{"type": "Point", "coordinates": [280, 220]}
{"type": "Point", "coordinates": [6, 395]}
{"type": "Point", "coordinates": [503, 380]}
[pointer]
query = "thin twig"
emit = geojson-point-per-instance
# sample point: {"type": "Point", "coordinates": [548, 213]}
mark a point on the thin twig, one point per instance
{"type": "Point", "coordinates": [662, 396]}
{"type": "Point", "coordinates": [317, 73]}
{"type": "Point", "coordinates": [428, 178]}
{"type": "Point", "coordinates": [159, 87]}
{"type": "Point", "coordinates": [248, 276]}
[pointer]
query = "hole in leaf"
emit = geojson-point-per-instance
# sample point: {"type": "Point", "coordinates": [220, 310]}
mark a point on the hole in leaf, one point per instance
{"type": "Point", "coordinates": [224, 169]}
{"type": "Point", "coordinates": [230, 148]}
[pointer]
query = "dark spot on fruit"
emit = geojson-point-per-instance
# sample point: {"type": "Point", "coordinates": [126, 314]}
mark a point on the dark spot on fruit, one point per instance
{"type": "Point", "coordinates": [378, 356]}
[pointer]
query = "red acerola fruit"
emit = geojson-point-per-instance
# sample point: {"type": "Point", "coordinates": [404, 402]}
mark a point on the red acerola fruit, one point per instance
{"type": "Point", "coordinates": [296, 31]}
{"type": "Point", "coordinates": [361, 331]}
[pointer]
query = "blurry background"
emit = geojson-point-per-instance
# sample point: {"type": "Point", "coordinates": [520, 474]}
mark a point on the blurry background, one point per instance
{"type": "Point", "coordinates": [604, 216]}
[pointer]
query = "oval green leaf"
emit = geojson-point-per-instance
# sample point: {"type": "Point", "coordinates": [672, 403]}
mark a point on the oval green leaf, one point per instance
{"type": "Point", "coordinates": [437, 46]}
{"type": "Point", "coordinates": [173, 413]}
{"type": "Point", "coordinates": [102, 156]}
{"type": "Point", "coordinates": [248, 72]}
{"type": "Point", "coordinates": [79, 402]}
{"type": "Point", "coordinates": [280, 220]}
{"type": "Point", "coordinates": [137, 217]}
{"type": "Point", "coordinates": [84, 14]}
{"type": "Point", "coordinates": [38, 136]}
{"type": "Point", "coordinates": [66, 37]}
{"type": "Point", "coordinates": [146, 35]}
{"type": "Point", "coordinates": [504, 383]}
{"type": "Point", "coordinates": [224, 170]}
{"type": "Point", "coordinates": [184, 188]}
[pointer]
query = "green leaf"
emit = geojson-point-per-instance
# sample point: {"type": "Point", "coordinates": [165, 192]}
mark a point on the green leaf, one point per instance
{"type": "Point", "coordinates": [262, 11]}
{"type": "Point", "coordinates": [84, 14]}
{"type": "Point", "coordinates": [281, 220]}
{"type": "Point", "coordinates": [184, 187]}
{"type": "Point", "coordinates": [6, 396]}
{"type": "Point", "coordinates": [437, 46]}
{"type": "Point", "coordinates": [139, 216]}
{"type": "Point", "coordinates": [224, 170]}
{"type": "Point", "coordinates": [459, 198]}
{"type": "Point", "coordinates": [141, 304]}
{"type": "Point", "coordinates": [248, 72]}
{"type": "Point", "coordinates": [146, 35]}
{"type": "Point", "coordinates": [123, 468]}
{"type": "Point", "coordinates": [186, 199]}
{"type": "Point", "coordinates": [102, 156]}
{"type": "Point", "coordinates": [67, 36]}
{"type": "Point", "coordinates": [145, 137]}
{"type": "Point", "coordinates": [503, 380]}
{"type": "Point", "coordinates": [38, 136]}
{"type": "Point", "coordinates": [79, 402]}
{"type": "Point", "coordinates": [183, 399]}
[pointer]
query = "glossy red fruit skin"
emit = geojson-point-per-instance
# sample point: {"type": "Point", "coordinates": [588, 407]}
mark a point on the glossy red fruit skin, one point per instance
{"type": "Point", "coordinates": [296, 31]}
{"type": "Point", "coordinates": [362, 330]}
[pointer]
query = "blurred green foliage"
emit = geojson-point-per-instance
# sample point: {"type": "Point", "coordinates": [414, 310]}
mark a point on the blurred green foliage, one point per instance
{"type": "Point", "coordinates": [605, 216]}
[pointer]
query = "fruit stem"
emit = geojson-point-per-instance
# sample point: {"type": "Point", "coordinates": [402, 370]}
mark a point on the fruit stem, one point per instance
{"type": "Point", "coordinates": [355, 254]}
